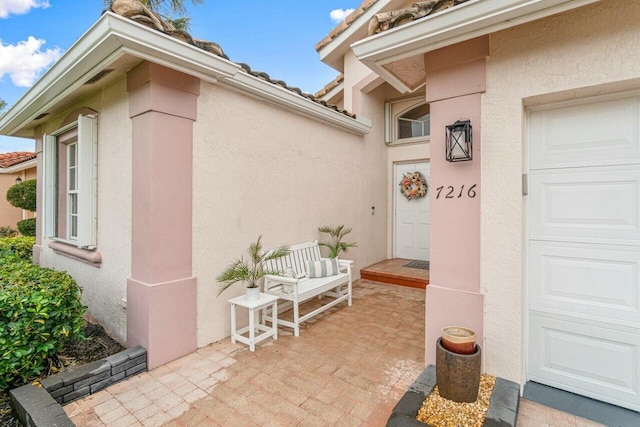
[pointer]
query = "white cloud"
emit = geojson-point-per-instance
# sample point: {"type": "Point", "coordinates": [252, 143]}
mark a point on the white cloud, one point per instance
{"type": "Point", "coordinates": [20, 7]}
{"type": "Point", "coordinates": [24, 60]}
{"type": "Point", "coordinates": [338, 15]}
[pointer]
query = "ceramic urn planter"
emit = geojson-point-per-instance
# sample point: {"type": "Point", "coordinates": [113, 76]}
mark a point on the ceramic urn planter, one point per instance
{"type": "Point", "coordinates": [458, 364]}
{"type": "Point", "coordinates": [458, 339]}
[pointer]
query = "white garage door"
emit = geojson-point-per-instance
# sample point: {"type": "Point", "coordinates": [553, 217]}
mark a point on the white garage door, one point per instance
{"type": "Point", "coordinates": [411, 217]}
{"type": "Point", "coordinates": [584, 249]}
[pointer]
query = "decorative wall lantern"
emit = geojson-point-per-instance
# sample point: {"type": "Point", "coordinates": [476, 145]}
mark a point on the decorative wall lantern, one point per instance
{"type": "Point", "coordinates": [18, 180]}
{"type": "Point", "coordinates": [458, 141]}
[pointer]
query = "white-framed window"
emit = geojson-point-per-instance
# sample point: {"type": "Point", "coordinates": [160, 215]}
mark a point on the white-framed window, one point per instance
{"type": "Point", "coordinates": [70, 183]}
{"type": "Point", "coordinates": [407, 121]}
{"type": "Point", "coordinates": [415, 123]}
{"type": "Point", "coordinates": [72, 191]}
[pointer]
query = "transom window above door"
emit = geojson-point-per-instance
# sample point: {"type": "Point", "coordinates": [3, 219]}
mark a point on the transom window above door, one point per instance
{"type": "Point", "coordinates": [415, 123]}
{"type": "Point", "coordinates": [407, 121]}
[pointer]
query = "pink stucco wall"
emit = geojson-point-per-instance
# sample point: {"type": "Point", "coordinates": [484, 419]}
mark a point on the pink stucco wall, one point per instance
{"type": "Point", "coordinates": [10, 215]}
{"type": "Point", "coordinates": [161, 292]}
{"type": "Point", "coordinates": [455, 81]}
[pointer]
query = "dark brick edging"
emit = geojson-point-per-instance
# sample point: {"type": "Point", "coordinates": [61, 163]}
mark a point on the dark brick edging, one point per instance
{"type": "Point", "coordinates": [41, 405]}
{"type": "Point", "coordinates": [503, 410]}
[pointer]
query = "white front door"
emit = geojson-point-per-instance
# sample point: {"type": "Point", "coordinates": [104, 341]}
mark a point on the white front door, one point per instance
{"type": "Point", "coordinates": [411, 216]}
{"type": "Point", "coordinates": [584, 249]}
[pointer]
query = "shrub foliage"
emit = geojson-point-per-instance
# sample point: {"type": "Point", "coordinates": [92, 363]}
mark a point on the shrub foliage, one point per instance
{"type": "Point", "coordinates": [40, 308]}
{"type": "Point", "coordinates": [23, 195]}
{"type": "Point", "coordinates": [27, 227]}
{"type": "Point", "coordinates": [22, 247]}
{"type": "Point", "coordinates": [7, 231]}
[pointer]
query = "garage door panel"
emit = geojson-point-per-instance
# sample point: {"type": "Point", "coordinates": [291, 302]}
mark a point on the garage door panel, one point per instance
{"type": "Point", "coordinates": [584, 135]}
{"type": "Point", "coordinates": [598, 205]}
{"type": "Point", "coordinates": [598, 361]}
{"type": "Point", "coordinates": [585, 279]}
{"type": "Point", "coordinates": [584, 248]}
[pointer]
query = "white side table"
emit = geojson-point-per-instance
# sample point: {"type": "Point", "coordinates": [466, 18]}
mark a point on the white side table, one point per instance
{"type": "Point", "coordinates": [254, 308]}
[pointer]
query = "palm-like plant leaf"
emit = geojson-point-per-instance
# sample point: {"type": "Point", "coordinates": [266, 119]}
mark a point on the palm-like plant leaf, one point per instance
{"type": "Point", "coordinates": [337, 234]}
{"type": "Point", "coordinates": [250, 271]}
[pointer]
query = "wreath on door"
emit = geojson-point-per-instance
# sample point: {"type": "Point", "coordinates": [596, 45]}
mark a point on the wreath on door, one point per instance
{"type": "Point", "coordinates": [413, 185]}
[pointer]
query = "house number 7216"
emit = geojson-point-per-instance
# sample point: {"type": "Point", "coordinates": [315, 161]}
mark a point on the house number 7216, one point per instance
{"type": "Point", "coordinates": [452, 193]}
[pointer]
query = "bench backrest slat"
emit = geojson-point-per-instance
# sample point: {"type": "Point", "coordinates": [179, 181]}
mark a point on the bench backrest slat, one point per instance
{"type": "Point", "coordinates": [297, 258]}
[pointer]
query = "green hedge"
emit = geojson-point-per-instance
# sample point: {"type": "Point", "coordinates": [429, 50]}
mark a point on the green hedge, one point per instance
{"type": "Point", "coordinates": [27, 227]}
{"type": "Point", "coordinates": [40, 308]}
{"type": "Point", "coordinates": [20, 246]}
{"type": "Point", "coordinates": [23, 195]}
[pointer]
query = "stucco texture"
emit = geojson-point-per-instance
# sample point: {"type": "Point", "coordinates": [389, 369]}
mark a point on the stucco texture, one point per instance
{"type": "Point", "coordinates": [590, 50]}
{"type": "Point", "coordinates": [262, 170]}
{"type": "Point", "coordinates": [105, 286]}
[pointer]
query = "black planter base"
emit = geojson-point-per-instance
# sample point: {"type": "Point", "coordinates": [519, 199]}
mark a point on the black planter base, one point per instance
{"type": "Point", "coordinates": [503, 410]}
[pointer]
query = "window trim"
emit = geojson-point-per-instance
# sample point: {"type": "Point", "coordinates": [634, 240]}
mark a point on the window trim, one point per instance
{"type": "Point", "coordinates": [70, 193]}
{"type": "Point", "coordinates": [86, 183]}
{"type": "Point", "coordinates": [391, 121]}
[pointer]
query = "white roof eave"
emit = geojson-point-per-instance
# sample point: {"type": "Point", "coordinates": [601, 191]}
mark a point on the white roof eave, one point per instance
{"type": "Point", "coordinates": [20, 166]}
{"type": "Point", "coordinates": [333, 52]}
{"type": "Point", "coordinates": [112, 37]}
{"type": "Point", "coordinates": [466, 21]}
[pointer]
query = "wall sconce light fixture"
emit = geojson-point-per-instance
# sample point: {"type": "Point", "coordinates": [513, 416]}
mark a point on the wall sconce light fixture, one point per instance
{"type": "Point", "coordinates": [18, 180]}
{"type": "Point", "coordinates": [458, 141]}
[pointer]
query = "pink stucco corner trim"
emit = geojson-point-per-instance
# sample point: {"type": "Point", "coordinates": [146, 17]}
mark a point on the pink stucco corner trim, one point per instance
{"type": "Point", "coordinates": [162, 318]}
{"type": "Point", "coordinates": [365, 85]}
{"type": "Point", "coordinates": [156, 88]}
{"type": "Point", "coordinates": [149, 72]}
{"type": "Point", "coordinates": [451, 307]}
{"type": "Point", "coordinates": [457, 54]}
{"type": "Point", "coordinates": [456, 79]}
{"type": "Point", "coordinates": [161, 292]}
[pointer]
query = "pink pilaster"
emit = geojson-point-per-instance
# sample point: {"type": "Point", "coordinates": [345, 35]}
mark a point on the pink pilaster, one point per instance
{"type": "Point", "coordinates": [161, 292]}
{"type": "Point", "coordinates": [455, 82]}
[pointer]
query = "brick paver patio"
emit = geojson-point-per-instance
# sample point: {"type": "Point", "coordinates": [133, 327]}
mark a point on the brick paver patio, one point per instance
{"type": "Point", "coordinates": [349, 367]}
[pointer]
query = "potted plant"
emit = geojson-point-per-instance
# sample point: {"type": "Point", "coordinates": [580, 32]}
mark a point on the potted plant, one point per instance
{"type": "Point", "coordinates": [250, 271]}
{"type": "Point", "coordinates": [336, 245]}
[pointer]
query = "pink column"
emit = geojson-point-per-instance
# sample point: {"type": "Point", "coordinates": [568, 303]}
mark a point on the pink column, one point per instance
{"type": "Point", "coordinates": [161, 293]}
{"type": "Point", "coordinates": [455, 81]}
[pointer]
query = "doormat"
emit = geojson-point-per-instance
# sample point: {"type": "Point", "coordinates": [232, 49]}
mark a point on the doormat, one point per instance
{"type": "Point", "coordinates": [424, 265]}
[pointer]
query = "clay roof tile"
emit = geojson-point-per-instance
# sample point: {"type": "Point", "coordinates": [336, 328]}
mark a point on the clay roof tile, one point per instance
{"type": "Point", "coordinates": [136, 11]}
{"type": "Point", "coordinates": [12, 159]}
{"type": "Point", "coordinates": [330, 86]}
{"type": "Point", "coordinates": [340, 28]}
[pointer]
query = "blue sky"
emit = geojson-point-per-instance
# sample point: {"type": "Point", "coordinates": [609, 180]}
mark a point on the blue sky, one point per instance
{"type": "Point", "coordinates": [274, 36]}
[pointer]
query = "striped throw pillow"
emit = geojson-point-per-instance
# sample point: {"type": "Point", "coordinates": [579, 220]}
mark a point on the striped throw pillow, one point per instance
{"type": "Point", "coordinates": [324, 268]}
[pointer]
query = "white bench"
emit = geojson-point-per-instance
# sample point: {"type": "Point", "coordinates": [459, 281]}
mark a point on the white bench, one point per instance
{"type": "Point", "coordinates": [300, 288]}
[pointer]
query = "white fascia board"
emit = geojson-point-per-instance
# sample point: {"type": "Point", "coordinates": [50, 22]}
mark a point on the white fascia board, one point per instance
{"type": "Point", "coordinates": [110, 38]}
{"type": "Point", "coordinates": [457, 24]}
{"type": "Point", "coordinates": [20, 166]}
{"type": "Point", "coordinates": [285, 98]}
{"type": "Point", "coordinates": [336, 91]}
{"type": "Point", "coordinates": [59, 78]}
{"type": "Point", "coordinates": [336, 48]}
{"type": "Point", "coordinates": [154, 46]}
{"type": "Point", "coordinates": [113, 36]}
